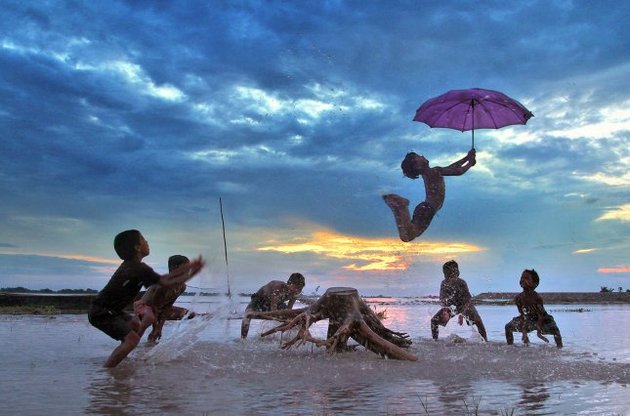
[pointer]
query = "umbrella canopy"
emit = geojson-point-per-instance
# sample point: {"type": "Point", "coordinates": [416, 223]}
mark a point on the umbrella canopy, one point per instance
{"type": "Point", "coordinates": [471, 109]}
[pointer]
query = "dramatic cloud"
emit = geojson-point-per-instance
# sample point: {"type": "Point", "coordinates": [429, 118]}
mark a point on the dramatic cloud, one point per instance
{"type": "Point", "coordinates": [143, 114]}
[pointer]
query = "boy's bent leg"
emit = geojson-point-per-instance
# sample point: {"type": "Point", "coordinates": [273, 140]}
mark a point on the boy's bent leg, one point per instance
{"type": "Point", "coordinates": [472, 315]}
{"type": "Point", "coordinates": [422, 216]}
{"type": "Point", "coordinates": [245, 327]}
{"type": "Point", "coordinates": [399, 207]}
{"type": "Point", "coordinates": [440, 318]}
{"type": "Point", "coordinates": [120, 352]}
{"type": "Point", "coordinates": [482, 329]}
{"type": "Point", "coordinates": [147, 320]}
{"type": "Point", "coordinates": [510, 328]}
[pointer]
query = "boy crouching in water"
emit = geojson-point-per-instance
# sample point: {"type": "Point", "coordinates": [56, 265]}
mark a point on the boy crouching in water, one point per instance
{"type": "Point", "coordinates": [157, 304]}
{"type": "Point", "coordinates": [275, 295]}
{"type": "Point", "coordinates": [532, 313]}
{"type": "Point", "coordinates": [107, 309]}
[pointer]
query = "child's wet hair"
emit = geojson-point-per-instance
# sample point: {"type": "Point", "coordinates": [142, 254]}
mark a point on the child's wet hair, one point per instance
{"type": "Point", "coordinates": [176, 260]}
{"type": "Point", "coordinates": [535, 278]}
{"type": "Point", "coordinates": [407, 166]}
{"type": "Point", "coordinates": [125, 243]}
{"type": "Point", "coordinates": [297, 279]}
{"type": "Point", "coordinates": [449, 266]}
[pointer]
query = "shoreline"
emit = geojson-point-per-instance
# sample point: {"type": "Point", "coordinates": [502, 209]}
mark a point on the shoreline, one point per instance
{"type": "Point", "coordinates": [568, 298]}
{"type": "Point", "coordinates": [52, 304]}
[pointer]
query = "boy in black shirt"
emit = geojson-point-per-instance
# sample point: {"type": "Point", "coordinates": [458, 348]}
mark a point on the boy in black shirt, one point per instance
{"type": "Point", "coordinates": [107, 310]}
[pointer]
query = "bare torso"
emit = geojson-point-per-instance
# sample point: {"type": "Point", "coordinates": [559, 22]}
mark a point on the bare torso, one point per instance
{"type": "Point", "coordinates": [434, 187]}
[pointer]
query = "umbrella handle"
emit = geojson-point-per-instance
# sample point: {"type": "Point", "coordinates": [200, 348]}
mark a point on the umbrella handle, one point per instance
{"type": "Point", "coordinates": [473, 122]}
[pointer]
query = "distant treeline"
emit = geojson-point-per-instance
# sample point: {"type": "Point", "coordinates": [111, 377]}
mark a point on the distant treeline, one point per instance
{"type": "Point", "coordinates": [21, 289]}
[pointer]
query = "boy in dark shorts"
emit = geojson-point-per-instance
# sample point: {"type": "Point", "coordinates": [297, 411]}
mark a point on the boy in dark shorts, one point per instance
{"type": "Point", "coordinates": [272, 297]}
{"type": "Point", "coordinates": [107, 309]}
{"type": "Point", "coordinates": [532, 313]}
{"type": "Point", "coordinates": [414, 166]}
{"type": "Point", "coordinates": [456, 299]}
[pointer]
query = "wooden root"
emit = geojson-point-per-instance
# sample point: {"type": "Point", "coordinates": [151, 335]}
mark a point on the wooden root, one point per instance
{"type": "Point", "coordinates": [348, 317]}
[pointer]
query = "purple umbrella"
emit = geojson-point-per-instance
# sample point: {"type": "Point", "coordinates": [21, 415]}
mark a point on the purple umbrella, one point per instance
{"type": "Point", "coordinates": [471, 109]}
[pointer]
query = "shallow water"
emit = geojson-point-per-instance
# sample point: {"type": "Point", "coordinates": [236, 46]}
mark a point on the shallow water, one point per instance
{"type": "Point", "coordinates": [53, 365]}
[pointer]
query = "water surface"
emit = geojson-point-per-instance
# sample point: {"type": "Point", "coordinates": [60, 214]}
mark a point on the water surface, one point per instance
{"type": "Point", "coordinates": [53, 365]}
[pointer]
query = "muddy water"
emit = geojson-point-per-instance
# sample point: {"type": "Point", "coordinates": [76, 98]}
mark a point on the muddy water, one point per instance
{"type": "Point", "coordinates": [53, 365]}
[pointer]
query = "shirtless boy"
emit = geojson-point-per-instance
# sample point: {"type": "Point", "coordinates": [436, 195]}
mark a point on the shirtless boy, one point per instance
{"type": "Point", "coordinates": [272, 297]}
{"type": "Point", "coordinates": [413, 166]}
{"type": "Point", "coordinates": [532, 313]}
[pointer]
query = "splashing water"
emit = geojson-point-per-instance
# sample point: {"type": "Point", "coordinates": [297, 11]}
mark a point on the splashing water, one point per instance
{"type": "Point", "coordinates": [187, 332]}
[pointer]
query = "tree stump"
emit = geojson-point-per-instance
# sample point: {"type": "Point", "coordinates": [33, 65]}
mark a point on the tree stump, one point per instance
{"type": "Point", "coordinates": [348, 317]}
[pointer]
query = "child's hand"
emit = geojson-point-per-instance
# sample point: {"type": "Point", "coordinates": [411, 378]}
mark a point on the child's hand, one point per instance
{"type": "Point", "coordinates": [541, 336]}
{"type": "Point", "coordinates": [196, 265]}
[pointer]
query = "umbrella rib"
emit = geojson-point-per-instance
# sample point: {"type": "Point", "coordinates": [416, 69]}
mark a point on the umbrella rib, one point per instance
{"type": "Point", "coordinates": [489, 113]}
{"type": "Point", "coordinates": [445, 112]}
{"type": "Point", "coordinates": [518, 115]}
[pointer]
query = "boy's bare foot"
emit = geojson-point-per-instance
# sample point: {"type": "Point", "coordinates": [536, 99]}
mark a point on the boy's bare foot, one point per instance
{"type": "Point", "coordinates": [395, 201]}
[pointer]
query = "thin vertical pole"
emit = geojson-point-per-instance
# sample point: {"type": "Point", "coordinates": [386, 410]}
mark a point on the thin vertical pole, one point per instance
{"type": "Point", "coordinates": [473, 123]}
{"type": "Point", "coordinates": [227, 265]}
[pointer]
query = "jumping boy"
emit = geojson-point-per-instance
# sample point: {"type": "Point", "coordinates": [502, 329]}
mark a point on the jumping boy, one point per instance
{"type": "Point", "coordinates": [107, 310]}
{"type": "Point", "coordinates": [532, 313]}
{"type": "Point", "coordinates": [454, 294]}
{"type": "Point", "coordinates": [413, 166]}
{"type": "Point", "coordinates": [272, 297]}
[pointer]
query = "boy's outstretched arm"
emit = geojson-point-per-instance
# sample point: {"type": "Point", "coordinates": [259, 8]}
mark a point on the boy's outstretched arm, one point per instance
{"type": "Point", "coordinates": [183, 273]}
{"type": "Point", "coordinates": [461, 166]}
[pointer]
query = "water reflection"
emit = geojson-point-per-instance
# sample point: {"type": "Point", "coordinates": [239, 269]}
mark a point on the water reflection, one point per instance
{"type": "Point", "coordinates": [111, 392]}
{"type": "Point", "coordinates": [131, 390]}
{"type": "Point", "coordinates": [534, 396]}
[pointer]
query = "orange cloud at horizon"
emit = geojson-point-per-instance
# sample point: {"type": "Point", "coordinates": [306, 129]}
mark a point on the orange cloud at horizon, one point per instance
{"type": "Point", "coordinates": [91, 259]}
{"type": "Point", "coordinates": [369, 254]}
{"type": "Point", "coordinates": [614, 269]}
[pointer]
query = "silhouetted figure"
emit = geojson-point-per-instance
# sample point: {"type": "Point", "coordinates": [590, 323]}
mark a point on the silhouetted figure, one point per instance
{"type": "Point", "coordinates": [532, 313]}
{"type": "Point", "coordinates": [157, 304]}
{"type": "Point", "coordinates": [107, 309]}
{"type": "Point", "coordinates": [272, 297]}
{"type": "Point", "coordinates": [454, 294]}
{"type": "Point", "coordinates": [413, 166]}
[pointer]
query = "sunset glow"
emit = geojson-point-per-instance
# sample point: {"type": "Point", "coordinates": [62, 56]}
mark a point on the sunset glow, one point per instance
{"type": "Point", "coordinates": [91, 259]}
{"type": "Point", "coordinates": [370, 254]}
{"type": "Point", "coordinates": [614, 269]}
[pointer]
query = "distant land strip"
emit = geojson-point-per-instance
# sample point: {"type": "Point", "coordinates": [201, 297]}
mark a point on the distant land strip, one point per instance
{"type": "Point", "coordinates": [592, 298]}
{"type": "Point", "coordinates": [50, 303]}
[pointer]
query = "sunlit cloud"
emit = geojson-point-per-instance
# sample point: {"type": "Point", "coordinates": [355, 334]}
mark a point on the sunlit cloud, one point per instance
{"type": "Point", "coordinates": [90, 259]}
{"type": "Point", "coordinates": [134, 74]}
{"type": "Point", "coordinates": [615, 177]}
{"type": "Point", "coordinates": [584, 251]}
{"type": "Point", "coordinates": [614, 269]}
{"type": "Point", "coordinates": [306, 109]}
{"type": "Point", "coordinates": [621, 213]}
{"type": "Point", "coordinates": [369, 254]}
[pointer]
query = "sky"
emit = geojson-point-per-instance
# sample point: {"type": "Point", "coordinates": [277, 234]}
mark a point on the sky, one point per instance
{"type": "Point", "coordinates": [295, 116]}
